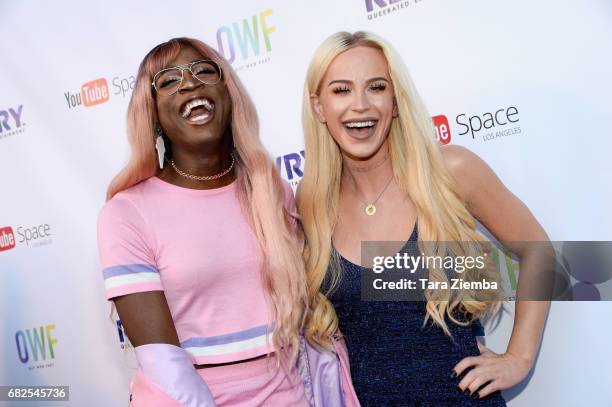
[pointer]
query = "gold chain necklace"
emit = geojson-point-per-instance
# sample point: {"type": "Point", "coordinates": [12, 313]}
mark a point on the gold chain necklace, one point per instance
{"type": "Point", "coordinates": [370, 209]}
{"type": "Point", "coordinates": [203, 177]}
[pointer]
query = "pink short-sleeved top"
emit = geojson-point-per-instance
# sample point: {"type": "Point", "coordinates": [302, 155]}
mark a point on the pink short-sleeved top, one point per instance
{"type": "Point", "coordinates": [198, 248]}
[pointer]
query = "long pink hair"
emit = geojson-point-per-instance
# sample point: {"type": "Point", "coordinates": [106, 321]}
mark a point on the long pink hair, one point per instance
{"type": "Point", "coordinates": [260, 189]}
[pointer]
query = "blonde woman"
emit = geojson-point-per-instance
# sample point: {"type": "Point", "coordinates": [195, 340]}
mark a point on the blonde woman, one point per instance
{"type": "Point", "coordinates": [198, 244]}
{"type": "Point", "coordinates": [375, 173]}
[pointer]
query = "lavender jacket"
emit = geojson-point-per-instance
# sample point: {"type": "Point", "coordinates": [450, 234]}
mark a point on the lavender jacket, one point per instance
{"type": "Point", "coordinates": [327, 375]}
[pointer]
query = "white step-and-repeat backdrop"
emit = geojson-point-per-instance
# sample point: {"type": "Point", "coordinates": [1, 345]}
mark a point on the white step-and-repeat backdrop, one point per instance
{"type": "Point", "coordinates": [546, 65]}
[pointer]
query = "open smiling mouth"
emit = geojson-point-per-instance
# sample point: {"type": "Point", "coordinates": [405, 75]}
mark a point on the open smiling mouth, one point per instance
{"type": "Point", "coordinates": [198, 110]}
{"type": "Point", "coordinates": [360, 129]}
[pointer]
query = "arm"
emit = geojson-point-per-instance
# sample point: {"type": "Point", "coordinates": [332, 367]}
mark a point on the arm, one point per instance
{"type": "Point", "coordinates": [146, 318]}
{"type": "Point", "coordinates": [133, 282]}
{"type": "Point", "coordinates": [509, 220]}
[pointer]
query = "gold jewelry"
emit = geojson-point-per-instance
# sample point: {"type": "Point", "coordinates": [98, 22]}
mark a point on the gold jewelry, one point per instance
{"type": "Point", "coordinates": [370, 209]}
{"type": "Point", "coordinates": [204, 177]}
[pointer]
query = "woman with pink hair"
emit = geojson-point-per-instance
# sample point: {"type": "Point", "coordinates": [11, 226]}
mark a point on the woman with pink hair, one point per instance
{"type": "Point", "coordinates": [198, 241]}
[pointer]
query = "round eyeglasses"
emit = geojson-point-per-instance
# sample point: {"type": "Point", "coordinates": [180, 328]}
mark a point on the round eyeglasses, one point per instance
{"type": "Point", "coordinates": [168, 81]}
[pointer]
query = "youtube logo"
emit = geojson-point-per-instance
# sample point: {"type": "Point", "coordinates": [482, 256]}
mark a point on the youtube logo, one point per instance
{"type": "Point", "coordinates": [443, 133]}
{"type": "Point", "coordinates": [92, 93]}
{"type": "Point", "coordinates": [95, 92]}
{"type": "Point", "coordinates": [7, 238]}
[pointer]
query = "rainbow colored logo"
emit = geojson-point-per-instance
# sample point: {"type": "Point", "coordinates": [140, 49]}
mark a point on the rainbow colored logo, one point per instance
{"type": "Point", "coordinates": [36, 344]}
{"type": "Point", "coordinates": [247, 38]}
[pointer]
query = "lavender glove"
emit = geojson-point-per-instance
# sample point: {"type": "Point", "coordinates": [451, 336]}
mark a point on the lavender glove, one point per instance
{"type": "Point", "coordinates": [320, 371]}
{"type": "Point", "coordinates": [171, 368]}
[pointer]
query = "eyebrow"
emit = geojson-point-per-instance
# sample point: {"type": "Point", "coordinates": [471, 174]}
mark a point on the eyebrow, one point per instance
{"type": "Point", "coordinates": [378, 78]}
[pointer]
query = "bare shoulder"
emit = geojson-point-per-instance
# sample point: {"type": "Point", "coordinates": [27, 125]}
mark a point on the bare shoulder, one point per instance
{"type": "Point", "coordinates": [488, 199]}
{"type": "Point", "coordinates": [469, 170]}
{"type": "Point", "coordinates": [459, 159]}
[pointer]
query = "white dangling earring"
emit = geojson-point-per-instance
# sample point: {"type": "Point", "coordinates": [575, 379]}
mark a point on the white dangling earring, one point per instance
{"type": "Point", "coordinates": [160, 147]}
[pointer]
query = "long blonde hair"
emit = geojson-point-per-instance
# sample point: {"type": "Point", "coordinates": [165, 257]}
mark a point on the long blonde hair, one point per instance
{"type": "Point", "coordinates": [418, 168]}
{"type": "Point", "coordinates": [260, 189]}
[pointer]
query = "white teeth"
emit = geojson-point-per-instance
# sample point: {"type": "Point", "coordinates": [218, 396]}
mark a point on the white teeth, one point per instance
{"type": "Point", "coordinates": [208, 105]}
{"type": "Point", "coordinates": [359, 125]}
{"type": "Point", "coordinates": [198, 118]}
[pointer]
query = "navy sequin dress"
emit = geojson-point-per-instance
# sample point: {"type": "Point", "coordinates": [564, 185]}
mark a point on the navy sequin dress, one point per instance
{"type": "Point", "coordinates": [395, 361]}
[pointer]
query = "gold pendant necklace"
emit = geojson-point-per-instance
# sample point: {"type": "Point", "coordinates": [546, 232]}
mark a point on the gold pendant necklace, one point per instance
{"type": "Point", "coordinates": [370, 209]}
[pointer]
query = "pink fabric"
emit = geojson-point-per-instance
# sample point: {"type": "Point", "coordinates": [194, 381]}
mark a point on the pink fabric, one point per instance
{"type": "Point", "coordinates": [248, 384]}
{"type": "Point", "coordinates": [197, 247]}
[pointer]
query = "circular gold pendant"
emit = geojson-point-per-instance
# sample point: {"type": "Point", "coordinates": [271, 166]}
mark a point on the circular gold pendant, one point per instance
{"type": "Point", "coordinates": [370, 210]}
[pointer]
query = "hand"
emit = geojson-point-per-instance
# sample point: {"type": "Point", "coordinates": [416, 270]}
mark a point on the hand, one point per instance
{"type": "Point", "coordinates": [497, 371]}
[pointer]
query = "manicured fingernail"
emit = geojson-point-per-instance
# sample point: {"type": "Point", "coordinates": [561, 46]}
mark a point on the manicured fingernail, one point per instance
{"type": "Point", "coordinates": [453, 375]}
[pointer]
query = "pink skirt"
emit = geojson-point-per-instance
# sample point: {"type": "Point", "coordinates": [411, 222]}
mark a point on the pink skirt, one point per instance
{"type": "Point", "coordinates": [249, 384]}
